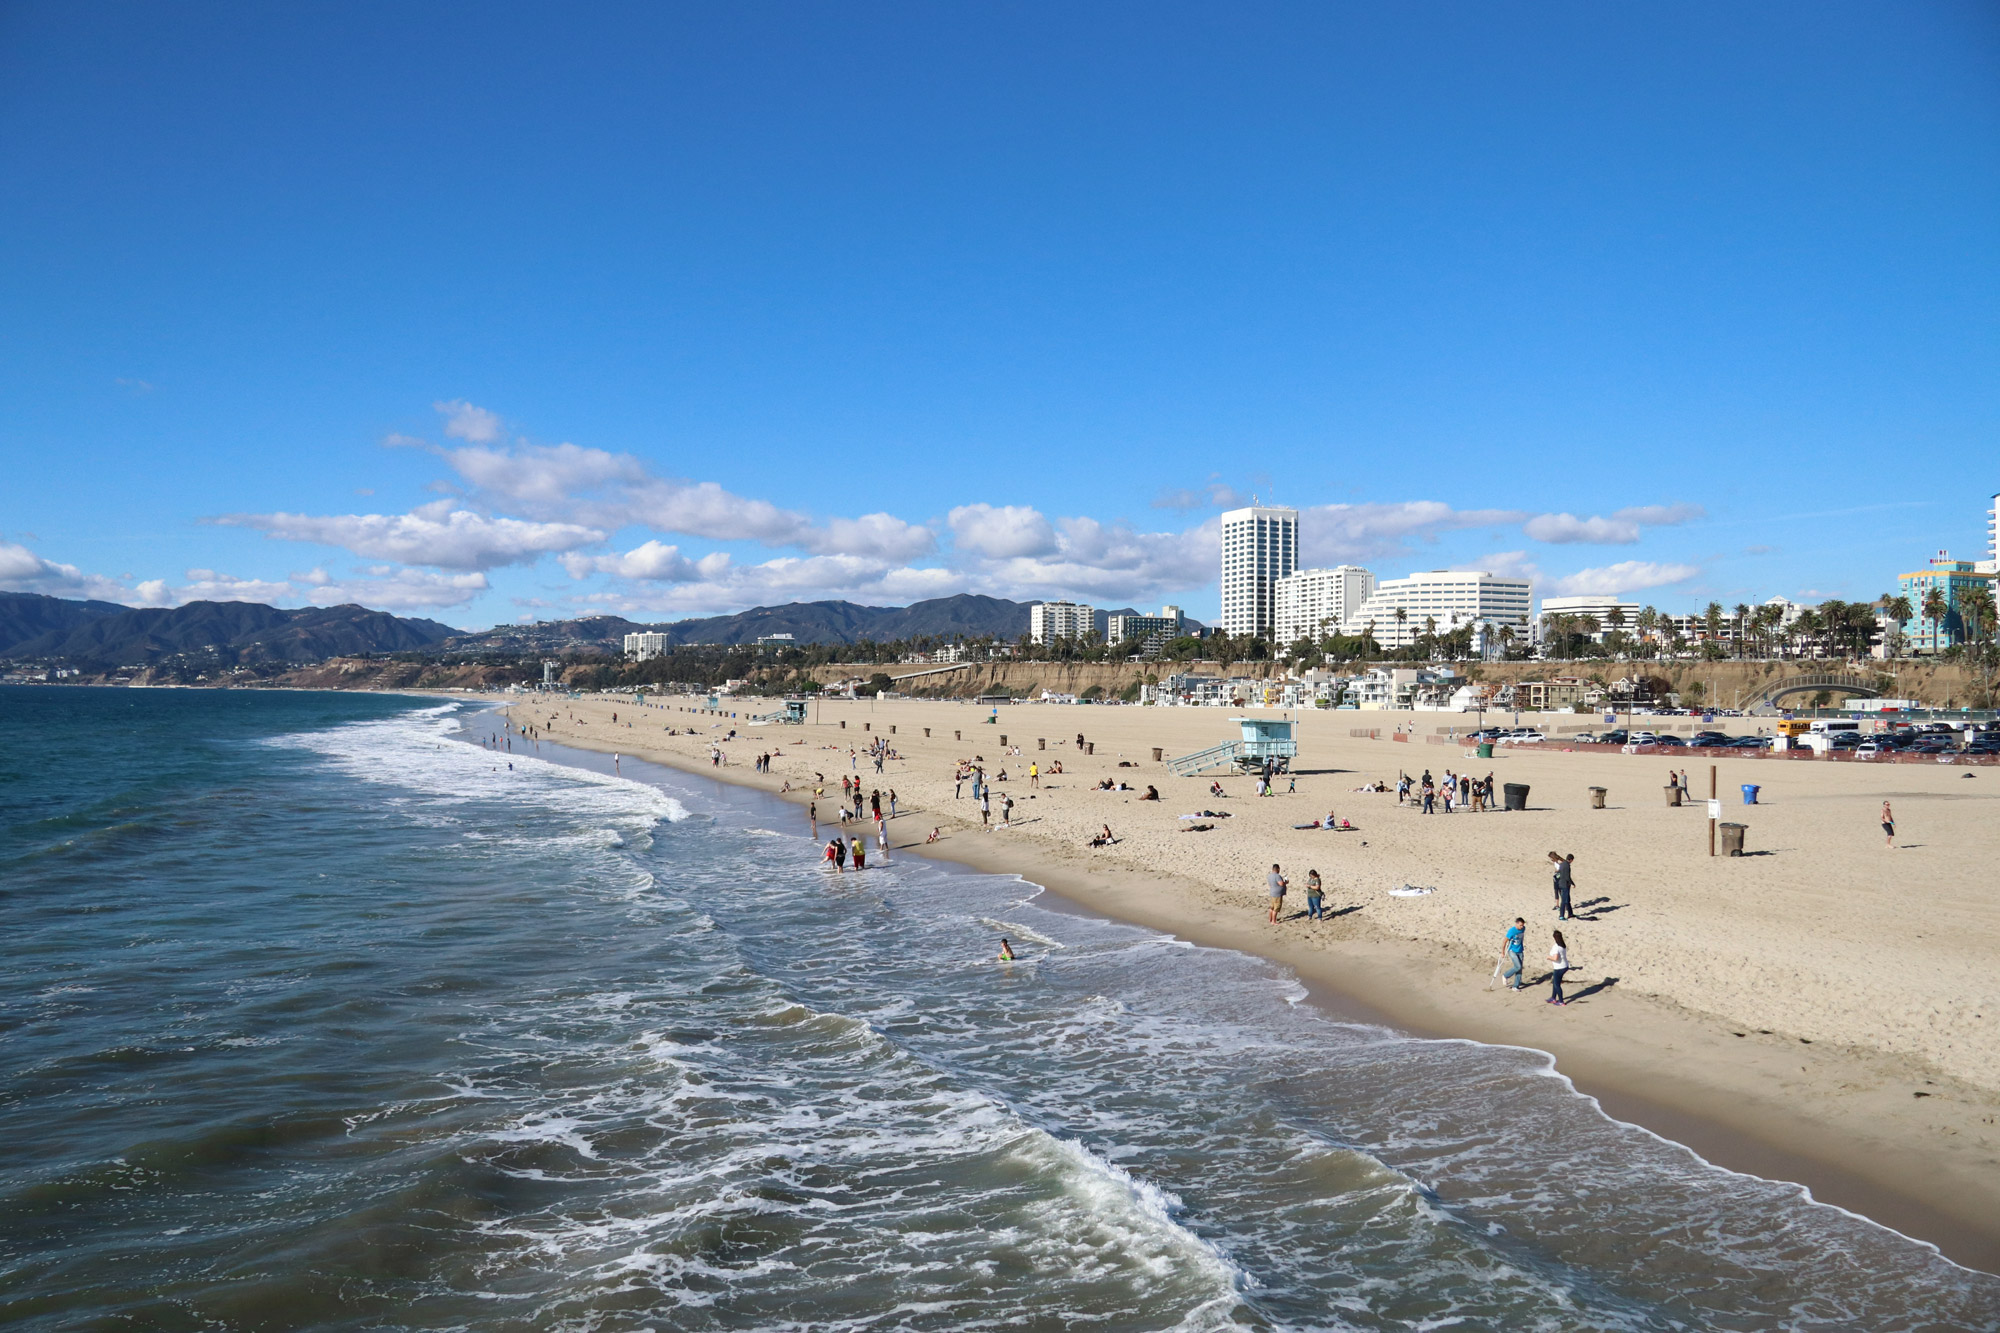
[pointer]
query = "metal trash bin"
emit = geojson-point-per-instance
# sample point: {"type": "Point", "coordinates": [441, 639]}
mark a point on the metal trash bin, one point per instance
{"type": "Point", "coordinates": [1597, 798]}
{"type": "Point", "coordinates": [1674, 795]}
{"type": "Point", "coordinates": [1485, 749]}
{"type": "Point", "coordinates": [1156, 754]}
{"type": "Point", "coordinates": [1750, 790]}
{"type": "Point", "coordinates": [1732, 839]}
{"type": "Point", "coordinates": [1516, 795]}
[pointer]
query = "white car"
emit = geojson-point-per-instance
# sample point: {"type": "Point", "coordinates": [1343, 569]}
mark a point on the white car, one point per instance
{"type": "Point", "coordinates": [1523, 737]}
{"type": "Point", "coordinates": [1642, 738]}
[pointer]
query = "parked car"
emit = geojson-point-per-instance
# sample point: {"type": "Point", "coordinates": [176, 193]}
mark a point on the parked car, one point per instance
{"type": "Point", "coordinates": [1868, 749]}
{"type": "Point", "coordinates": [1611, 737]}
{"type": "Point", "coordinates": [1643, 738]}
{"type": "Point", "coordinates": [1525, 736]}
{"type": "Point", "coordinates": [1670, 740]}
{"type": "Point", "coordinates": [1749, 743]}
{"type": "Point", "coordinates": [1709, 740]}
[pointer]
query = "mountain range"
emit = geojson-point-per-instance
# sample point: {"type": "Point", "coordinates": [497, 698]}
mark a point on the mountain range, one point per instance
{"type": "Point", "coordinates": [104, 634]}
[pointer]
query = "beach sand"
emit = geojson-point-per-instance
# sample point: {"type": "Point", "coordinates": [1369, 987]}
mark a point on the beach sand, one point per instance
{"type": "Point", "coordinates": [1825, 1010]}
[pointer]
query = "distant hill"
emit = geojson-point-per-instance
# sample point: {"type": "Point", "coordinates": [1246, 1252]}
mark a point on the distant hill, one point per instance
{"type": "Point", "coordinates": [236, 633]}
{"type": "Point", "coordinates": [30, 615]}
{"type": "Point", "coordinates": [963, 616]}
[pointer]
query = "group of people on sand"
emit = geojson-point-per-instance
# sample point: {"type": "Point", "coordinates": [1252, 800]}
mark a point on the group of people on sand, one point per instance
{"type": "Point", "coordinates": [1276, 886]}
{"type": "Point", "coordinates": [1455, 791]}
{"type": "Point", "coordinates": [1514, 946]}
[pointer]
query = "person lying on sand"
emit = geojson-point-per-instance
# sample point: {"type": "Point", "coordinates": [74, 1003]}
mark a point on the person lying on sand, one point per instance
{"type": "Point", "coordinates": [1196, 828]}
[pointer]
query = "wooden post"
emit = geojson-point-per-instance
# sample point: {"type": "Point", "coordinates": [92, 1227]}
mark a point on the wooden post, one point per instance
{"type": "Point", "coordinates": [1713, 796]}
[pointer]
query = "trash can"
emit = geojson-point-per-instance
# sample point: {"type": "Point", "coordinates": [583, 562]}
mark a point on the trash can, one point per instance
{"type": "Point", "coordinates": [1156, 753]}
{"type": "Point", "coordinates": [1485, 749]}
{"type": "Point", "coordinates": [1597, 798]}
{"type": "Point", "coordinates": [1674, 794]}
{"type": "Point", "coordinates": [1732, 839]}
{"type": "Point", "coordinates": [1041, 742]}
{"type": "Point", "coordinates": [1516, 794]}
{"type": "Point", "coordinates": [1749, 793]}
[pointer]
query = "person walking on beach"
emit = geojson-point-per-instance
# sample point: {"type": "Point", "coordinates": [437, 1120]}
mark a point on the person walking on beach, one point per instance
{"type": "Point", "coordinates": [1565, 879]}
{"type": "Point", "coordinates": [1274, 885]}
{"type": "Point", "coordinates": [1513, 948]}
{"type": "Point", "coordinates": [1034, 775]}
{"type": "Point", "coordinates": [1889, 826]}
{"type": "Point", "coordinates": [812, 813]}
{"type": "Point", "coordinates": [1558, 964]}
{"type": "Point", "coordinates": [1315, 897]}
{"type": "Point", "coordinates": [985, 809]}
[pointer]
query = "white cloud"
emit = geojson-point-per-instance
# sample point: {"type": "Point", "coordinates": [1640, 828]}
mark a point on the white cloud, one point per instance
{"type": "Point", "coordinates": [206, 585]}
{"type": "Point", "coordinates": [1626, 576]}
{"type": "Point", "coordinates": [883, 536]}
{"type": "Point", "coordinates": [463, 421]}
{"type": "Point", "coordinates": [21, 570]}
{"type": "Point", "coordinates": [1001, 532]}
{"type": "Point", "coordinates": [1621, 529]}
{"type": "Point", "coordinates": [653, 562]}
{"type": "Point", "coordinates": [434, 534]}
{"type": "Point", "coordinates": [1211, 494]}
{"type": "Point", "coordinates": [1333, 534]}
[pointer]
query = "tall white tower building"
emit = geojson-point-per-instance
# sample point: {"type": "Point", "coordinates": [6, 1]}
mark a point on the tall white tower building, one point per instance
{"type": "Point", "coordinates": [1312, 602]}
{"type": "Point", "coordinates": [1260, 545]}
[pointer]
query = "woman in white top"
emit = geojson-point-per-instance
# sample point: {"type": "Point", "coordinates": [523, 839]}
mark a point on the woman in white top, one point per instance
{"type": "Point", "coordinates": [1559, 963]}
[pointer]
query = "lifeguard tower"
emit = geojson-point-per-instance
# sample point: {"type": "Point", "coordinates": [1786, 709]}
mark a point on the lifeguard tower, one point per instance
{"type": "Point", "coordinates": [1264, 740]}
{"type": "Point", "coordinates": [793, 714]}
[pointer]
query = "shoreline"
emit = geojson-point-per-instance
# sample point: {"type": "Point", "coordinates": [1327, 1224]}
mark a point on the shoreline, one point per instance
{"type": "Point", "coordinates": [1710, 1099]}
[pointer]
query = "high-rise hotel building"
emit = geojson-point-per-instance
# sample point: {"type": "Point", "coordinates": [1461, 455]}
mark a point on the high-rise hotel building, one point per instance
{"type": "Point", "coordinates": [1260, 545]}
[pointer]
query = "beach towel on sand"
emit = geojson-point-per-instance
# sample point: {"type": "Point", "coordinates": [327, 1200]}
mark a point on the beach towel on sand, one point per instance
{"type": "Point", "coordinates": [1411, 891]}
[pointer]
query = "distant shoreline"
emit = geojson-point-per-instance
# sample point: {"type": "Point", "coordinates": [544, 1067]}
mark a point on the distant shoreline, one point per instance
{"type": "Point", "coordinates": [1661, 1067]}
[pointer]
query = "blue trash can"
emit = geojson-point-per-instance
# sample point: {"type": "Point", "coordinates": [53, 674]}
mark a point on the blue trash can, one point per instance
{"type": "Point", "coordinates": [1749, 793]}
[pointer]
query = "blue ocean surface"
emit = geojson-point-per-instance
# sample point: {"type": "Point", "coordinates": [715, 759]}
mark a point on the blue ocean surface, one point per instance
{"type": "Point", "coordinates": [317, 1012]}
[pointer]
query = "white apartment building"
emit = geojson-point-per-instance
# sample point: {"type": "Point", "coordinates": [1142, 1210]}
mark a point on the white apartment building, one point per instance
{"type": "Point", "coordinates": [1260, 545]}
{"type": "Point", "coordinates": [1155, 631]}
{"type": "Point", "coordinates": [1312, 602]}
{"type": "Point", "coordinates": [1598, 606]}
{"type": "Point", "coordinates": [1049, 621]}
{"type": "Point", "coordinates": [639, 647]}
{"type": "Point", "coordinates": [1447, 599]}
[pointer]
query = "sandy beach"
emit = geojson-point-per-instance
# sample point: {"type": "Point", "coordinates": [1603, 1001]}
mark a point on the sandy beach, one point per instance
{"type": "Point", "coordinates": [1823, 1010]}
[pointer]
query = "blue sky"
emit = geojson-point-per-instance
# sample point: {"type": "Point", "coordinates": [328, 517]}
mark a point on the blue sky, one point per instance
{"type": "Point", "coordinates": [516, 311]}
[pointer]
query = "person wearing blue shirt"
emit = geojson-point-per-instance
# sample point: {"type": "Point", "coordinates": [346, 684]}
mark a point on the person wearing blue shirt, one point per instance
{"type": "Point", "coordinates": [1516, 943]}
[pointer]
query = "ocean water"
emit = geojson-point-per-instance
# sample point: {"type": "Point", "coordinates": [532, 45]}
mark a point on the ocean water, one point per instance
{"type": "Point", "coordinates": [315, 1016]}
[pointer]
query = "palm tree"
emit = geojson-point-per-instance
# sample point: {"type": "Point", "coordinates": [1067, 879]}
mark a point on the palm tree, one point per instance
{"type": "Point", "coordinates": [1935, 610]}
{"type": "Point", "coordinates": [1402, 617]}
{"type": "Point", "coordinates": [1898, 607]}
{"type": "Point", "coordinates": [1742, 624]}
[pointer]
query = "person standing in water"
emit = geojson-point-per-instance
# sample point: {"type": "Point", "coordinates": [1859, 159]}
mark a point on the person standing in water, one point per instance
{"type": "Point", "coordinates": [859, 851]}
{"type": "Point", "coordinates": [1558, 964]}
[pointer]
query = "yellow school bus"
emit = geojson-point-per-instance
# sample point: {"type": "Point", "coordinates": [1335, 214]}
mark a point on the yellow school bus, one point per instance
{"type": "Point", "coordinates": [1793, 726]}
